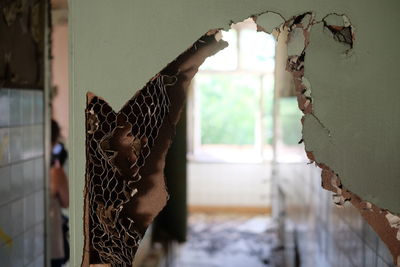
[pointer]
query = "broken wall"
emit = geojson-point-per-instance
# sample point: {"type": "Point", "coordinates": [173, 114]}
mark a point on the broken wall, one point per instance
{"type": "Point", "coordinates": [323, 233]}
{"type": "Point", "coordinates": [117, 47]}
{"type": "Point", "coordinates": [22, 127]}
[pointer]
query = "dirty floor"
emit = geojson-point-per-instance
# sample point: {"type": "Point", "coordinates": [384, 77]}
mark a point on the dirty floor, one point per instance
{"type": "Point", "coordinates": [229, 240]}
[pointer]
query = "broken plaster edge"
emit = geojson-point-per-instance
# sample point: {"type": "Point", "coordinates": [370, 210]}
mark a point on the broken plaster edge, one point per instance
{"type": "Point", "coordinates": [384, 223]}
{"type": "Point", "coordinates": [379, 219]}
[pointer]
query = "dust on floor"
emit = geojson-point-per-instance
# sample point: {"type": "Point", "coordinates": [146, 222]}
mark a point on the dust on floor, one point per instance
{"type": "Point", "coordinates": [230, 240]}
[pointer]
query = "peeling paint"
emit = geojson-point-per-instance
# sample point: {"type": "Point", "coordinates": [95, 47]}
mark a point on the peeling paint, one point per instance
{"type": "Point", "coordinates": [394, 222]}
{"type": "Point", "coordinates": [341, 28]}
{"type": "Point", "coordinates": [386, 226]}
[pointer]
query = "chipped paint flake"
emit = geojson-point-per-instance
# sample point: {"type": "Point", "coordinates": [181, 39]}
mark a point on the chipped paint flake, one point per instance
{"type": "Point", "coordinates": [394, 222]}
{"type": "Point", "coordinates": [340, 27]}
{"type": "Point", "coordinates": [307, 87]}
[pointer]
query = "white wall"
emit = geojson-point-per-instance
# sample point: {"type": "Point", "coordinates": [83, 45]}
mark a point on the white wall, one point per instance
{"type": "Point", "coordinates": [226, 184]}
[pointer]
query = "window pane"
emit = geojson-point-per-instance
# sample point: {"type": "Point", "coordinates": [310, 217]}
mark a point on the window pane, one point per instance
{"type": "Point", "coordinates": [268, 93]}
{"type": "Point", "coordinates": [257, 51]}
{"type": "Point", "coordinates": [225, 59]}
{"type": "Point", "coordinates": [228, 104]}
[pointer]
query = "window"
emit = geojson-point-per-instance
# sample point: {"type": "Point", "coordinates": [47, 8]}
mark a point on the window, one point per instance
{"type": "Point", "coordinates": [231, 106]}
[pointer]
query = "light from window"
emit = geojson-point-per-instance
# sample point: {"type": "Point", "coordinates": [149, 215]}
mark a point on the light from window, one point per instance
{"type": "Point", "coordinates": [234, 98]}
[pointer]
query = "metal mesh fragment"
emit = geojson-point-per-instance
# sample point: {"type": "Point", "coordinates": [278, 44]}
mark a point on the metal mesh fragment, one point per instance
{"type": "Point", "coordinates": [117, 147]}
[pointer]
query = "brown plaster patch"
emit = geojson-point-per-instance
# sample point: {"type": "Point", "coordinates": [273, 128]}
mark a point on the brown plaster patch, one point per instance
{"type": "Point", "coordinates": [125, 151]}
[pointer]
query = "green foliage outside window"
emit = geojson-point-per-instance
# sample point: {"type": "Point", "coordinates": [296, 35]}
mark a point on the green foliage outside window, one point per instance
{"type": "Point", "coordinates": [227, 108]}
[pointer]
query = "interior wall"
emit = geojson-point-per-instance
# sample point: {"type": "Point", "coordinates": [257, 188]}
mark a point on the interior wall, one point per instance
{"type": "Point", "coordinates": [22, 183]}
{"type": "Point", "coordinates": [115, 50]}
{"type": "Point", "coordinates": [326, 234]}
{"type": "Point", "coordinates": [22, 133]}
{"type": "Point", "coordinates": [60, 101]}
{"type": "Point", "coordinates": [229, 184]}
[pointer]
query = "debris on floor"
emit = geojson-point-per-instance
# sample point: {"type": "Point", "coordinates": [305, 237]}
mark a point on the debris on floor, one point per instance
{"type": "Point", "coordinates": [230, 240]}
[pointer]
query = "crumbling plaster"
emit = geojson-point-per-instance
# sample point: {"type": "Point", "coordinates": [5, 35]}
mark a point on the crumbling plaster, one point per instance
{"type": "Point", "coordinates": [353, 129]}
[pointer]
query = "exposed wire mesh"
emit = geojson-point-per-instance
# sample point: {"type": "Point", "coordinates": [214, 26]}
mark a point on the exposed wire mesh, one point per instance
{"type": "Point", "coordinates": [117, 147]}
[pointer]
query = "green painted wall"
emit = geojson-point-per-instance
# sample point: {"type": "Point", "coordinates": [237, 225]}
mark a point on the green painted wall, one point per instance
{"type": "Point", "coordinates": [117, 46]}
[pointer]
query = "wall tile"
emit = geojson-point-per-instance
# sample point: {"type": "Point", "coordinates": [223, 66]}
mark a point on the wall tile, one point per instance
{"type": "Point", "coordinates": [356, 251]}
{"type": "Point", "coordinates": [38, 107]}
{"type": "Point", "coordinates": [29, 246]}
{"type": "Point", "coordinates": [29, 176]}
{"type": "Point", "coordinates": [17, 180]}
{"type": "Point", "coordinates": [382, 263]}
{"type": "Point", "coordinates": [38, 245]}
{"type": "Point", "coordinates": [27, 107]}
{"type": "Point", "coordinates": [4, 146]}
{"type": "Point", "coordinates": [370, 237]}
{"type": "Point", "coordinates": [39, 206]}
{"type": "Point", "coordinates": [29, 211]}
{"type": "Point", "coordinates": [37, 140]}
{"type": "Point", "coordinates": [17, 217]}
{"type": "Point", "coordinates": [370, 257]}
{"type": "Point", "coordinates": [17, 251]}
{"type": "Point", "coordinates": [5, 255]}
{"type": "Point", "coordinates": [5, 184]}
{"type": "Point", "coordinates": [15, 107]}
{"type": "Point", "coordinates": [16, 148]}
{"type": "Point", "coordinates": [342, 236]}
{"type": "Point", "coordinates": [39, 261]}
{"type": "Point", "coordinates": [345, 261]}
{"type": "Point", "coordinates": [5, 222]}
{"type": "Point", "coordinates": [4, 107]}
{"type": "Point", "coordinates": [27, 142]}
{"type": "Point", "coordinates": [38, 173]}
{"type": "Point", "coordinates": [21, 177]}
{"type": "Point", "coordinates": [384, 252]}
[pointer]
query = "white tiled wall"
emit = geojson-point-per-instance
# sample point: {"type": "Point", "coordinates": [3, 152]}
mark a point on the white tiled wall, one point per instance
{"type": "Point", "coordinates": [22, 177]}
{"type": "Point", "coordinates": [229, 184]}
{"type": "Point", "coordinates": [327, 235]}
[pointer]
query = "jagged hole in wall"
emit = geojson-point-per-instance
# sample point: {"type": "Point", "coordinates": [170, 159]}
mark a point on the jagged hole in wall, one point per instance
{"type": "Point", "coordinates": [125, 150]}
